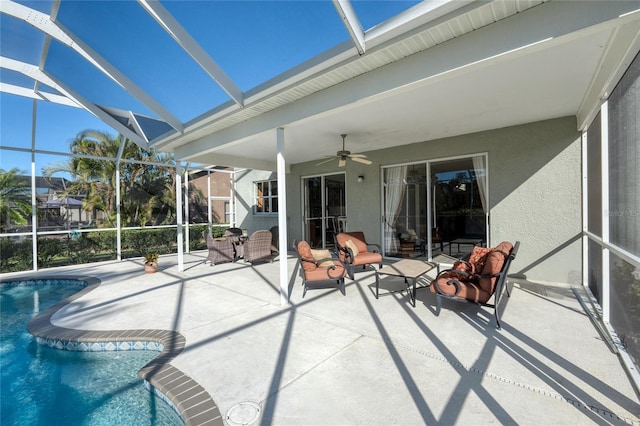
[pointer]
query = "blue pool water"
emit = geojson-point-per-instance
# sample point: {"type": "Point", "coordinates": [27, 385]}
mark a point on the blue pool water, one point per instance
{"type": "Point", "coordinates": [46, 386]}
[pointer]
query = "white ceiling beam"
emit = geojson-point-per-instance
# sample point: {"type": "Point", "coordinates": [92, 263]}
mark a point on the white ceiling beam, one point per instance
{"type": "Point", "coordinates": [43, 22]}
{"type": "Point", "coordinates": [232, 161]}
{"type": "Point", "coordinates": [39, 95]}
{"type": "Point", "coordinates": [191, 46]}
{"type": "Point", "coordinates": [351, 21]}
{"type": "Point", "coordinates": [99, 113]}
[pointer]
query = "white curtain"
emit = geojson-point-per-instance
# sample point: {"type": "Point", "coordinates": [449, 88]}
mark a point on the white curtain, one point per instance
{"type": "Point", "coordinates": [480, 169]}
{"type": "Point", "coordinates": [394, 190]}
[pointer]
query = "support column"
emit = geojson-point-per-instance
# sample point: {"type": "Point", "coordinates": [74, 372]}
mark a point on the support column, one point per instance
{"type": "Point", "coordinates": [282, 217]}
{"type": "Point", "coordinates": [180, 239]}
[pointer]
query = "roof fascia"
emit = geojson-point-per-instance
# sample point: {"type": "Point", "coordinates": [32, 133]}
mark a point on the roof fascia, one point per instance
{"type": "Point", "coordinates": [535, 29]}
{"type": "Point", "coordinates": [414, 17]}
{"type": "Point", "coordinates": [189, 45]}
{"type": "Point", "coordinates": [237, 162]}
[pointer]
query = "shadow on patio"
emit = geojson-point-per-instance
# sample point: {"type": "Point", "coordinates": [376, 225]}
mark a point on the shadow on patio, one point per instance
{"type": "Point", "coordinates": [333, 359]}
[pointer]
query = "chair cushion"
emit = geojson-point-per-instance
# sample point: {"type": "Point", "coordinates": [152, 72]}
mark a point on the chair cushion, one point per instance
{"type": "Point", "coordinates": [318, 254]}
{"type": "Point", "coordinates": [478, 258]}
{"type": "Point", "coordinates": [493, 265]}
{"type": "Point", "coordinates": [367, 258]}
{"type": "Point", "coordinates": [354, 248]}
{"type": "Point", "coordinates": [322, 274]}
{"type": "Point", "coordinates": [304, 251]}
{"type": "Point", "coordinates": [468, 289]}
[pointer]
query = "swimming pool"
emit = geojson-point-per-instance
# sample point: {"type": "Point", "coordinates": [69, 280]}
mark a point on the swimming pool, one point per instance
{"type": "Point", "coordinates": [46, 386]}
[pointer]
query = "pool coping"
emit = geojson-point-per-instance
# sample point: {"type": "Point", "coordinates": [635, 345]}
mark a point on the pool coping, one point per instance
{"type": "Point", "coordinates": [190, 400]}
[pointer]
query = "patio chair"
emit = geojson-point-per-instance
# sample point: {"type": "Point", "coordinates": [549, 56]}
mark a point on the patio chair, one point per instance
{"type": "Point", "coordinates": [258, 247]}
{"type": "Point", "coordinates": [274, 239]}
{"type": "Point", "coordinates": [353, 250]}
{"type": "Point", "coordinates": [220, 249]}
{"type": "Point", "coordinates": [234, 235]}
{"type": "Point", "coordinates": [478, 279]}
{"type": "Point", "coordinates": [319, 266]}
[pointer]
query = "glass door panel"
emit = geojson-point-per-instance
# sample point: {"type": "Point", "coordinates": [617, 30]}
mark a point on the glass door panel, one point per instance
{"type": "Point", "coordinates": [335, 211]}
{"type": "Point", "coordinates": [324, 209]}
{"type": "Point", "coordinates": [458, 211]}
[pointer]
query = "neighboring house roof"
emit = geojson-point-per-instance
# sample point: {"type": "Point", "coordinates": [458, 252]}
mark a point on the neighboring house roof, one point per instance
{"type": "Point", "coordinates": [55, 184]}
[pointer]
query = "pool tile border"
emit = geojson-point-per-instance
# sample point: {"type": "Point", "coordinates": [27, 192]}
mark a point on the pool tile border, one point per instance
{"type": "Point", "coordinates": [190, 400]}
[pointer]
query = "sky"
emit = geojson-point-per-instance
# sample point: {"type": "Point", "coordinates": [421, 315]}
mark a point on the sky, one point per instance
{"type": "Point", "coordinates": [252, 41]}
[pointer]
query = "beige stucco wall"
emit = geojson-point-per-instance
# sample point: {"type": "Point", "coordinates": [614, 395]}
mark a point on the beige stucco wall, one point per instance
{"type": "Point", "coordinates": [246, 219]}
{"type": "Point", "coordinates": [534, 192]}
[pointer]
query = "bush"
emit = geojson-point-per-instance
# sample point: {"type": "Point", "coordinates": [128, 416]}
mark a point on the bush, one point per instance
{"type": "Point", "coordinates": [16, 255]}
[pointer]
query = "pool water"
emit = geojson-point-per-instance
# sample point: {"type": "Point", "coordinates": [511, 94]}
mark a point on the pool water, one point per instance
{"type": "Point", "coordinates": [46, 386]}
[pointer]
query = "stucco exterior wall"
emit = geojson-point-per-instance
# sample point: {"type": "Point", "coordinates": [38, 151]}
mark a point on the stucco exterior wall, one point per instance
{"type": "Point", "coordinates": [534, 192]}
{"type": "Point", "coordinates": [246, 219]}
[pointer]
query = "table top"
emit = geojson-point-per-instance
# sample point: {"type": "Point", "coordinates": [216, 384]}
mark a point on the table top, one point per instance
{"type": "Point", "coordinates": [467, 240]}
{"type": "Point", "coordinates": [410, 268]}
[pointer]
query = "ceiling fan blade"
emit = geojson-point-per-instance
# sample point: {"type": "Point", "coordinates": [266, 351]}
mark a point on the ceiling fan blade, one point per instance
{"type": "Point", "coordinates": [357, 155]}
{"type": "Point", "coordinates": [326, 161]}
{"type": "Point", "coordinates": [361, 160]}
{"type": "Point", "coordinates": [342, 162]}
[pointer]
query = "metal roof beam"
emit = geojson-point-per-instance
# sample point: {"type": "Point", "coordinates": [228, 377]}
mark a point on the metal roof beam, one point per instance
{"type": "Point", "coordinates": [191, 46]}
{"type": "Point", "coordinates": [100, 113]}
{"type": "Point", "coordinates": [38, 95]}
{"type": "Point", "coordinates": [43, 22]}
{"type": "Point", "coordinates": [351, 21]}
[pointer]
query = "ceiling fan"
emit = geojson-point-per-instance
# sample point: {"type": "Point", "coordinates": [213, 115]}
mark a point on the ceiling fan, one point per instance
{"type": "Point", "coordinates": [344, 154]}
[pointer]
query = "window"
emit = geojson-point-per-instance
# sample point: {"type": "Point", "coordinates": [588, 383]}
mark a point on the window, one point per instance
{"type": "Point", "coordinates": [266, 197]}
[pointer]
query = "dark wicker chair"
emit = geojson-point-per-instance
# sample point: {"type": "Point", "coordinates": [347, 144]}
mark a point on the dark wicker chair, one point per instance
{"type": "Point", "coordinates": [234, 235]}
{"type": "Point", "coordinates": [220, 250]}
{"type": "Point", "coordinates": [319, 266]}
{"type": "Point", "coordinates": [258, 247]}
{"type": "Point", "coordinates": [484, 275]}
{"type": "Point", "coordinates": [275, 236]}
{"type": "Point", "coordinates": [355, 251]}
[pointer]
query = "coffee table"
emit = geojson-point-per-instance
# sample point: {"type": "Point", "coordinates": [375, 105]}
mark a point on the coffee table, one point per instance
{"type": "Point", "coordinates": [407, 269]}
{"type": "Point", "coordinates": [469, 241]}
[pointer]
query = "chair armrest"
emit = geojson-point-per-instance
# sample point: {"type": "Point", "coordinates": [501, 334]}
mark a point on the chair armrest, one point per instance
{"type": "Point", "coordinates": [454, 281]}
{"type": "Point", "coordinates": [376, 248]}
{"type": "Point", "coordinates": [333, 267]}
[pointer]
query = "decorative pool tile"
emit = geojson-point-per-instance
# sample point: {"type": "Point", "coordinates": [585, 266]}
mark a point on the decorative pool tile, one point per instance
{"type": "Point", "coordinates": [190, 409]}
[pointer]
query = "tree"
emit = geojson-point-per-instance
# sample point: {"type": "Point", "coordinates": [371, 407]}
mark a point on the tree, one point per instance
{"type": "Point", "coordinates": [147, 181]}
{"type": "Point", "coordinates": [15, 198]}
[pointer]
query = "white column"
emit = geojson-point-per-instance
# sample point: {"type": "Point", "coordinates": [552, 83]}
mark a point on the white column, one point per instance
{"type": "Point", "coordinates": [282, 217]}
{"type": "Point", "coordinates": [180, 238]}
{"type": "Point", "coordinates": [186, 211]}
{"type": "Point", "coordinates": [34, 199]}
{"type": "Point", "coordinates": [606, 273]}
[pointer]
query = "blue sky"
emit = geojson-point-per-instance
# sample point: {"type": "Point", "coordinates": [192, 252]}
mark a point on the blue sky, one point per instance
{"type": "Point", "coordinates": [252, 41]}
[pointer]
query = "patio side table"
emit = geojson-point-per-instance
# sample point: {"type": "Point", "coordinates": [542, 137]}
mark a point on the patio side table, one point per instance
{"type": "Point", "coordinates": [469, 241]}
{"type": "Point", "coordinates": [407, 269]}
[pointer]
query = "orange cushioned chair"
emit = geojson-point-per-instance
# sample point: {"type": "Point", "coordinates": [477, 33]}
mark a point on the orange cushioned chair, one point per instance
{"type": "Point", "coordinates": [355, 251]}
{"type": "Point", "coordinates": [318, 266]}
{"type": "Point", "coordinates": [476, 280]}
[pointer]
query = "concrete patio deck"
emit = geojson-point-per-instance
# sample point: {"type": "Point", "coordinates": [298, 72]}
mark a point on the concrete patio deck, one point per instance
{"type": "Point", "coordinates": [330, 359]}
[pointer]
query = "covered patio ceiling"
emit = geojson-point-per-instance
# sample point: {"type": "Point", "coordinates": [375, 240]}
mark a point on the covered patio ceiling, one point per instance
{"type": "Point", "coordinates": [435, 69]}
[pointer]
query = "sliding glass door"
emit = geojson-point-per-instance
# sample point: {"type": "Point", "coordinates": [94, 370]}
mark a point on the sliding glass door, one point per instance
{"type": "Point", "coordinates": [324, 209]}
{"type": "Point", "coordinates": [429, 205]}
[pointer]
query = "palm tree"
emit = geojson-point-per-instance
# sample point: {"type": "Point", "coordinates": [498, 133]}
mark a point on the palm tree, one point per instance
{"type": "Point", "coordinates": [15, 198]}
